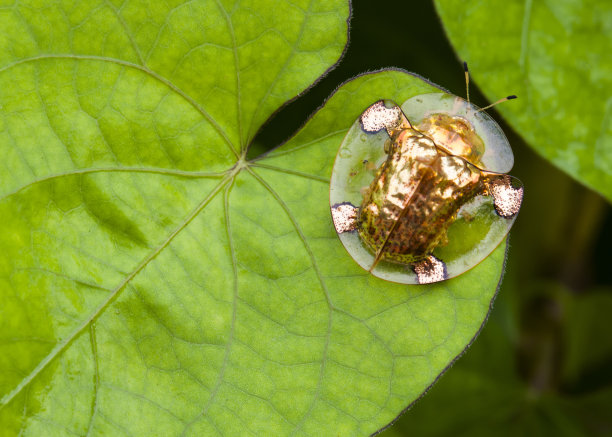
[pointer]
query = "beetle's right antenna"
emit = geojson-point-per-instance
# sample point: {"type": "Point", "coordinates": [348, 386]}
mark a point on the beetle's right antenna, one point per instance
{"type": "Point", "coordinates": [467, 81]}
{"type": "Point", "coordinates": [505, 99]}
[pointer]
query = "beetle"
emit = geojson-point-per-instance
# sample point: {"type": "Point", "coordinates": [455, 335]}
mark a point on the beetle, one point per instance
{"type": "Point", "coordinates": [437, 199]}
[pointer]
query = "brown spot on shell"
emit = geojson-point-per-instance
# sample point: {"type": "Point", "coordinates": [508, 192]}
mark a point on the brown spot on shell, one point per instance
{"type": "Point", "coordinates": [430, 270]}
{"type": "Point", "coordinates": [507, 199]}
{"type": "Point", "coordinates": [378, 117]}
{"type": "Point", "coordinates": [344, 216]}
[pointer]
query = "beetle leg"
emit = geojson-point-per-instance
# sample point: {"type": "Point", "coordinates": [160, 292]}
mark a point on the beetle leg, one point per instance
{"type": "Point", "coordinates": [384, 115]}
{"type": "Point", "coordinates": [506, 197]}
{"type": "Point", "coordinates": [429, 270]}
{"type": "Point", "coordinates": [344, 216]}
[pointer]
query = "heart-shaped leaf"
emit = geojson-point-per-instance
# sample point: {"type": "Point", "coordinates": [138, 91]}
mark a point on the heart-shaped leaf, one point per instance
{"type": "Point", "coordinates": [153, 281]}
{"type": "Point", "coordinates": [555, 55]}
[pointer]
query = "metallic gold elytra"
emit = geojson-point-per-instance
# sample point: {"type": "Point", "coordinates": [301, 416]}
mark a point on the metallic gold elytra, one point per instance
{"type": "Point", "coordinates": [419, 193]}
{"type": "Point", "coordinates": [418, 190]}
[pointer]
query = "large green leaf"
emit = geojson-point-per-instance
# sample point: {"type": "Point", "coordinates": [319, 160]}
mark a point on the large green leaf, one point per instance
{"type": "Point", "coordinates": [491, 392]}
{"type": "Point", "coordinates": [152, 281]}
{"type": "Point", "coordinates": [555, 55]}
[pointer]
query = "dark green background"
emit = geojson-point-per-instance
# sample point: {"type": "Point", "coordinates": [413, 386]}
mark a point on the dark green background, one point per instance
{"type": "Point", "coordinates": [543, 364]}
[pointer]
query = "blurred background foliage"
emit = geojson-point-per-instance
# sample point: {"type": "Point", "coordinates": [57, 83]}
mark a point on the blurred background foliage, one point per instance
{"type": "Point", "coordinates": [543, 363]}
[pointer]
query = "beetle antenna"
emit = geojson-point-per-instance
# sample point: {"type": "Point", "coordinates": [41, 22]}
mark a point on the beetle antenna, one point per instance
{"type": "Point", "coordinates": [505, 99]}
{"type": "Point", "coordinates": [467, 81]}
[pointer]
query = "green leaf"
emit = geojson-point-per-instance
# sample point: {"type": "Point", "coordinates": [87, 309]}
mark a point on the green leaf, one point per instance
{"type": "Point", "coordinates": [487, 392]}
{"type": "Point", "coordinates": [152, 281]}
{"type": "Point", "coordinates": [555, 55]}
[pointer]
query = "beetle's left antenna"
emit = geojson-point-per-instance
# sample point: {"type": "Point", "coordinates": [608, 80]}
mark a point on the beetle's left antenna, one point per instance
{"type": "Point", "coordinates": [467, 81]}
{"type": "Point", "coordinates": [467, 90]}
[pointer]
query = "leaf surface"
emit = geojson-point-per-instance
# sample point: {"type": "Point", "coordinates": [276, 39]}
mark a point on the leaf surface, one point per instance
{"type": "Point", "coordinates": [492, 391]}
{"type": "Point", "coordinates": [555, 55]}
{"type": "Point", "coordinates": [152, 281]}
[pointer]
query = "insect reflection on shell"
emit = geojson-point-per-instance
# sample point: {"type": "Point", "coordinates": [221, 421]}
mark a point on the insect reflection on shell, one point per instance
{"type": "Point", "coordinates": [419, 193]}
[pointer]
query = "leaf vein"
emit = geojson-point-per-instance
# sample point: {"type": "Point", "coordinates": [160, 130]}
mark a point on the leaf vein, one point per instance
{"type": "Point", "coordinates": [96, 381]}
{"type": "Point", "coordinates": [142, 68]}
{"type": "Point", "coordinates": [230, 339]}
{"type": "Point", "coordinates": [161, 171]}
{"type": "Point", "coordinates": [127, 31]}
{"type": "Point", "coordinates": [230, 27]}
{"type": "Point", "coordinates": [281, 70]}
{"type": "Point", "coordinates": [292, 172]}
{"type": "Point", "coordinates": [277, 152]}
{"type": "Point", "coordinates": [64, 343]}
{"type": "Point", "coordinates": [323, 287]}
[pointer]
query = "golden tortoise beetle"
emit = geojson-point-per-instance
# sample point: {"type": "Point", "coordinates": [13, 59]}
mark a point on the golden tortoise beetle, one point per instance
{"type": "Point", "coordinates": [431, 184]}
